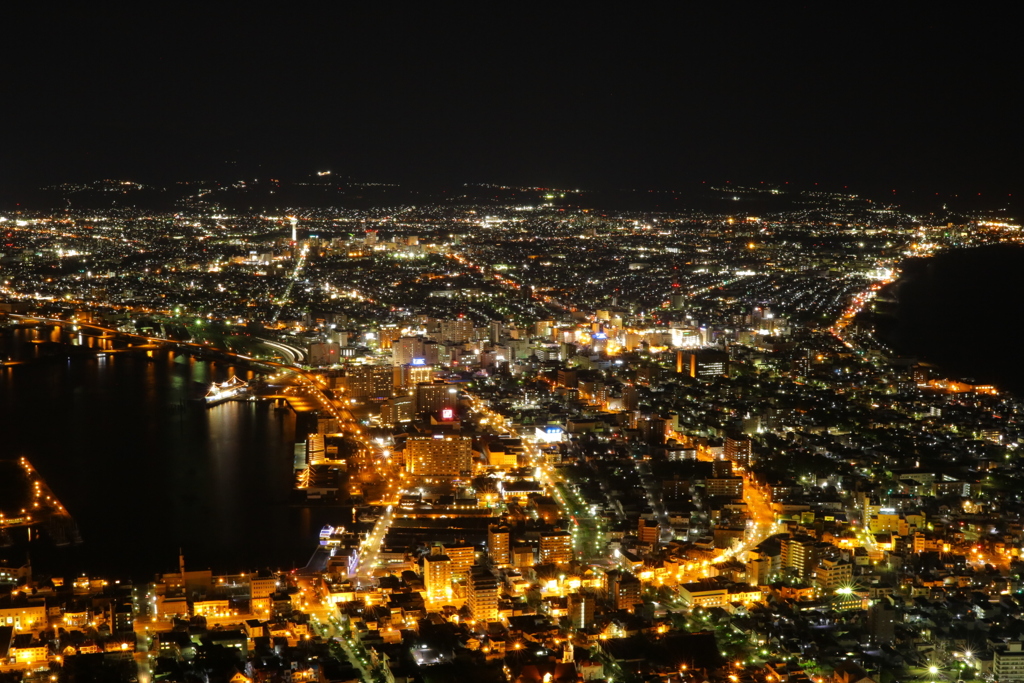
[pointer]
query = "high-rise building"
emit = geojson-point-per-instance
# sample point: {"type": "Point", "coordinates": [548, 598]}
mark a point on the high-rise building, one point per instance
{"type": "Point", "coordinates": [124, 618]}
{"type": "Point", "coordinates": [881, 623]}
{"type": "Point", "coordinates": [567, 377]}
{"type": "Point", "coordinates": [702, 363]}
{"type": "Point", "coordinates": [648, 531]}
{"type": "Point", "coordinates": [523, 556]}
{"type": "Point", "coordinates": [406, 376]}
{"type": "Point", "coordinates": [320, 354]}
{"type": "Point", "coordinates": [832, 574]}
{"type": "Point", "coordinates": [920, 374]}
{"type": "Point", "coordinates": [408, 351]}
{"type": "Point", "coordinates": [438, 455]}
{"type": "Point", "coordinates": [630, 397]}
{"type": "Point", "coordinates": [262, 585]}
{"type": "Point", "coordinates": [369, 382]}
{"type": "Point", "coordinates": [483, 594]}
{"type": "Point", "coordinates": [498, 545]}
{"type": "Point", "coordinates": [759, 571]}
{"type": "Point", "coordinates": [799, 554]}
{"type": "Point", "coordinates": [388, 336]}
{"type": "Point", "coordinates": [397, 410]}
{"type": "Point", "coordinates": [801, 365]}
{"type": "Point", "coordinates": [728, 487]}
{"type": "Point", "coordinates": [463, 558]}
{"type": "Point", "coordinates": [738, 449]}
{"type": "Point", "coordinates": [555, 547]}
{"type": "Point", "coordinates": [583, 607]}
{"type": "Point", "coordinates": [435, 397]}
{"type": "Point", "coordinates": [460, 330]}
{"type": "Point", "coordinates": [721, 468]}
{"type": "Point", "coordinates": [437, 578]}
{"type": "Point", "coordinates": [623, 589]}
{"type": "Point", "coordinates": [542, 328]}
{"type": "Point", "coordinates": [433, 353]}
{"type": "Point", "coordinates": [495, 332]}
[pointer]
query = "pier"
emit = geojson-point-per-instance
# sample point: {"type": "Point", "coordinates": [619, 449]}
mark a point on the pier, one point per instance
{"type": "Point", "coordinates": [43, 510]}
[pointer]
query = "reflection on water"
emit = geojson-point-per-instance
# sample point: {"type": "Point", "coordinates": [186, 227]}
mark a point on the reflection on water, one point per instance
{"type": "Point", "coordinates": [145, 468]}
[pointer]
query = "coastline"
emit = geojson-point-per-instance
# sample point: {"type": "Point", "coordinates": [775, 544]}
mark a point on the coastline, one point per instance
{"type": "Point", "coordinates": [120, 433]}
{"type": "Point", "coordinates": [956, 310]}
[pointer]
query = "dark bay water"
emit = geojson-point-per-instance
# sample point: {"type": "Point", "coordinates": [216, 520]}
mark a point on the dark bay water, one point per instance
{"type": "Point", "coordinates": [964, 311]}
{"type": "Point", "coordinates": [143, 468]}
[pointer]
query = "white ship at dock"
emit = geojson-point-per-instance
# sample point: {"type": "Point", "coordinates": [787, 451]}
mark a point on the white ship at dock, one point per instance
{"type": "Point", "coordinates": [235, 387]}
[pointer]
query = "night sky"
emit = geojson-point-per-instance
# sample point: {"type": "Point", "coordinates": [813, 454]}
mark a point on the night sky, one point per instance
{"type": "Point", "coordinates": [876, 98]}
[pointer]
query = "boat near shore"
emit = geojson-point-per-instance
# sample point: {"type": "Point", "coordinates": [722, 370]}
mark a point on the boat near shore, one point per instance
{"type": "Point", "coordinates": [233, 388]}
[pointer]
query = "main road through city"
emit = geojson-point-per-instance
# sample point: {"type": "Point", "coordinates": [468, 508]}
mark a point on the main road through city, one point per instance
{"type": "Point", "coordinates": [586, 528]}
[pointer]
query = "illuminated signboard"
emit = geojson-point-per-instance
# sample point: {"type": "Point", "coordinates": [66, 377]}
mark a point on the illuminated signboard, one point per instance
{"type": "Point", "coordinates": [447, 414]}
{"type": "Point", "coordinates": [419, 361]}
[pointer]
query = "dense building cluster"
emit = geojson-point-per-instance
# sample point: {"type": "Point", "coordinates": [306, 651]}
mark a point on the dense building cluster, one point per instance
{"type": "Point", "coordinates": [583, 444]}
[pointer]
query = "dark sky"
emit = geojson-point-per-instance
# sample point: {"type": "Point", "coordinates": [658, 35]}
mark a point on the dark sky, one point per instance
{"type": "Point", "coordinates": [918, 98]}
